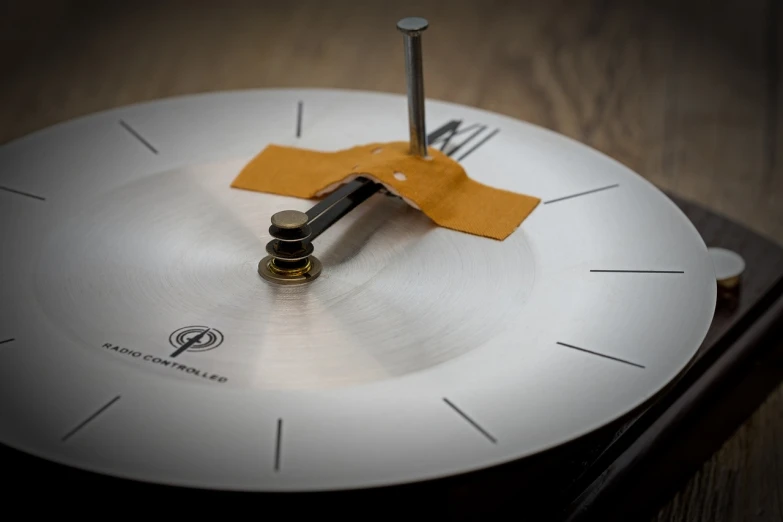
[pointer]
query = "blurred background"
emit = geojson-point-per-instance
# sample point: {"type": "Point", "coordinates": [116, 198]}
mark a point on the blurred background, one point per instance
{"type": "Point", "coordinates": [687, 94]}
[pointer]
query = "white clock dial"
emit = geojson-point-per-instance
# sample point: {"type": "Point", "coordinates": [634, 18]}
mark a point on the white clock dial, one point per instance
{"type": "Point", "coordinates": [141, 341]}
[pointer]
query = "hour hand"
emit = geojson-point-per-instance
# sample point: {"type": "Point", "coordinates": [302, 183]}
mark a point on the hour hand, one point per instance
{"type": "Point", "coordinates": [290, 259]}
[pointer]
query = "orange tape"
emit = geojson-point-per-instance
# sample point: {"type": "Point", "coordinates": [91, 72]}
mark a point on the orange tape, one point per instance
{"type": "Point", "coordinates": [438, 186]}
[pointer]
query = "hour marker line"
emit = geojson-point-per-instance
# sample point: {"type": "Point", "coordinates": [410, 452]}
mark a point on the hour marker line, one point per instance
{"type": "Point", "coordinates": [581, 194]}
{"type": "Point", "coordinates": [7, 341]}
{"type": "Point", "coordinates": [600, 355]}
{"type": "Point", "coordinates": [22, 193]}
{"type": "Point", "coordinates": [89, 419]}
{"type": "Point", "coordinates": [471, 421]}
{"type": "Point", "coordinates": [299, 111]}
{"type": "Point", "coordinates": [138, 136]}
{"type": "Point", "coordinates": [641, 271]}
{"type": "Point", "coordinates": [277, 443]}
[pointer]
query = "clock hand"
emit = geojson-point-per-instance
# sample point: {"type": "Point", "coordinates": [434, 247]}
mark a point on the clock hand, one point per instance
{"type": "Point", "coordinates": [340, 202]}
{"type": "Point", "coordinates": [290, 259]}
{"type": "Point", "coordinates": [290, 253]}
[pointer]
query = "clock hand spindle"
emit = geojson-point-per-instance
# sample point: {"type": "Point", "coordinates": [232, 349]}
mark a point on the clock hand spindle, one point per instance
{"type": "Point", "coordinates": [412, 28]}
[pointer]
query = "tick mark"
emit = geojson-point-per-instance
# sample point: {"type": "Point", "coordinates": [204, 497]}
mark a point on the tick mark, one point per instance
{"type": "Point", "coordinates": [600, 355]}
{"type": "Point", "coordinates": [90, 418]}
{"type": "Point", "coordinates": [299, 111]}
{"type": "Point", "coordinates": [640, 271]}
{"type": "Point", "coordinates": [471, 421]}
{"type": "Point", "coordinates": [7, 341]}
{"type": "Point", "coordinates": [277, 443]}
{"type": "Point", "coordinates": [22, 193]}
{"type": "Point", "coordinates": [138, 136]}
{"type": "Point", "coordinates": [479, 144]}
{"type": "Point", "coordinates": [581, 194]}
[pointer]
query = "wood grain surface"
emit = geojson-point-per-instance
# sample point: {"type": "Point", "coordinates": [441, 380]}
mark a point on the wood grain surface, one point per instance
{"type": "Point", "coordinates": [688, 94]}
{"type": "Point", "coordinates": [744, 480]}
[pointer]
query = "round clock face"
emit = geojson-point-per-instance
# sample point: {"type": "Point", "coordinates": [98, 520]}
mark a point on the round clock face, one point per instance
{"type": "Point", "coordinates": [138, 339]}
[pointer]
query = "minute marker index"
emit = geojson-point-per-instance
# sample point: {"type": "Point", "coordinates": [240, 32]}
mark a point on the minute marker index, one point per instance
{"type": "Point", "coordinates": [582, 194]}
{"type": "Point", "coordinates": [278, 442]}
{"type": "Point", "coordinates": [89, 419]}
{"type": "Point", "coordinates": [639, 271]}
{"type": "Point", "coordinates": [13, 191]}
{"type": "Point", "coordinates": [299, 111]}
{"type": "Point", "coordinates": [138, 136]}
{"type": "Point", "coordinates": [600, 354]}
{"type": "Point", "coordinates": [471, 421]}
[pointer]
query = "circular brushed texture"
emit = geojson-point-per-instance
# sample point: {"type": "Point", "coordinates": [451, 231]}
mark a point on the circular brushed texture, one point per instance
{"type": "Point", "coordinates": [170, 258]}
{"type": "Point", "coordinates": [147, 345]}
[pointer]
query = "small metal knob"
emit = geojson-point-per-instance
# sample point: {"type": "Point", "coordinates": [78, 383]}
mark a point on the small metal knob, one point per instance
{"type": "Point", "coordinates": [289, 219]}
{"type": "Point", "coordinates": [290, 258]}
{"type": "Point", "coordinates": [290, 226]}
{"type": "Point", "coordinates": [729, 267]}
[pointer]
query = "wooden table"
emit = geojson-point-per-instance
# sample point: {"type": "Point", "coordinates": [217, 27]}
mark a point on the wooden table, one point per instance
{"type": "Point", "coordinates": [688, 94]}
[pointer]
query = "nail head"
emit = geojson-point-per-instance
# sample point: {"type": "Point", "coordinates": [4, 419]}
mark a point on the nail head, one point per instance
{"type": "Point", "coordinates": [412, 25]}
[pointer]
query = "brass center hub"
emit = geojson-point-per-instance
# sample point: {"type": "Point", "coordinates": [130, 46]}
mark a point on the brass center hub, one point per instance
{"type": "Point", "coordinates": [287, 271]}
{"type": "Point", "coordinates": [269, 268]}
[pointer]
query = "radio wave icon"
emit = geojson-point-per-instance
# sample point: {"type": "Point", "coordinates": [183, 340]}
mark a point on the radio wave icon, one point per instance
{"type": "Point", "coordinates": [195, 339]}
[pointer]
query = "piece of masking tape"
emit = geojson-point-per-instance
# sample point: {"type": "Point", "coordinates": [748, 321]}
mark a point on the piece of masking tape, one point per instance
{"type": "Point", "coordinates": [438, 185]}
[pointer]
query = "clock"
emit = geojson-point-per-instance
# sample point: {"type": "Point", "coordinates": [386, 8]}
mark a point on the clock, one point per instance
{"type": "Point", "coordinates": [141, 341]}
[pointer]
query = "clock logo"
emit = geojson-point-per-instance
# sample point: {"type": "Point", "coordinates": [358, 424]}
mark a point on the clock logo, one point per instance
{"type": "Point", "coordinates": [195, 339]}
